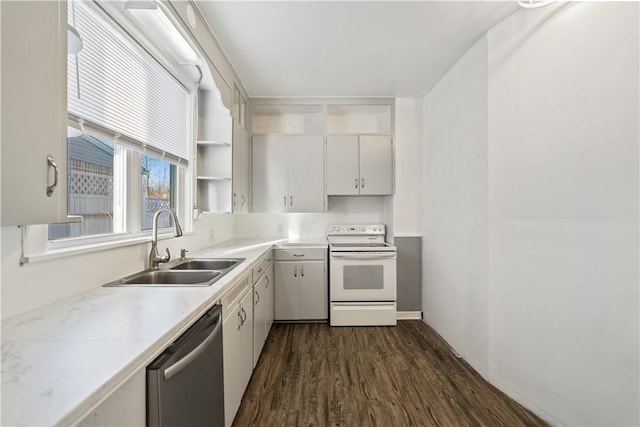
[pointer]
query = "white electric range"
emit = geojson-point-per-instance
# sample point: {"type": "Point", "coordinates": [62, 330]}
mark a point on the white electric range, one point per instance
{"type": "Point", "coordinates": [362, 278]}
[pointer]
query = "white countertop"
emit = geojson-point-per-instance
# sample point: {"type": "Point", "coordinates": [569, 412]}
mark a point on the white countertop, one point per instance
{"type": "Point", "coordinates": [61, 360]}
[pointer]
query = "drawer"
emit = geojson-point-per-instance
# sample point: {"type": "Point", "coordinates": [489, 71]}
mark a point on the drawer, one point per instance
{"type": "Point", "coordinates": [300, 254]}
{"type": "Point", "coordinates": [268, 259]}
{"type": "Point", "coordinates": [235, 294]}
{"type": "Point", "coordinates": [259, 270]}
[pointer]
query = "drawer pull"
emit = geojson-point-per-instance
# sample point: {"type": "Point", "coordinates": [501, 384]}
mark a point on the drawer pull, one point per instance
{"type": "Point", "coordinates": [298, 255]}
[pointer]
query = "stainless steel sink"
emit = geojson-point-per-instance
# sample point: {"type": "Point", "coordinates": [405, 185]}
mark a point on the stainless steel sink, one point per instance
{"type": "Point", "coordinates": [206, 264]}
{"type": "Point", "coordinates": [169, 278]}
{"type": "Point", "coordinates": [186, 272]}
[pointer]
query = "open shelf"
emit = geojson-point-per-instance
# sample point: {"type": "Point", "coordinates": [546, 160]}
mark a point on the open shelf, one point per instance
{"type": "Point", "coordinates": [359, 119]}
{"type": "Point", "coordinates": [288, 119]}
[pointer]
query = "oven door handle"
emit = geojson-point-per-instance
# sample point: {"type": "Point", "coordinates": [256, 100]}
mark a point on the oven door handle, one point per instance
{"type": "Point", "coordinates": [373, 255]}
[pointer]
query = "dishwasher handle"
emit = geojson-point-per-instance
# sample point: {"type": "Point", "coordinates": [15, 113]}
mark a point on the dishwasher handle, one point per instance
{"type": "Point", "coordinates": [193, 354]}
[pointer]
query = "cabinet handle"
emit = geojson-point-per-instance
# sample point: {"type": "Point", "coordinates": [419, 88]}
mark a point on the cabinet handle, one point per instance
{"type": "Point", "coordinates": [240, 319]}
{"type": "Point", "coordinates": [356, 182]}
{"type": "Point", "coordinates": [362, 184]}
{"type": "Point", "coordinates": [245, 315]}
{"type": "Point", "coordinates": [285, 201]}
{"type": "Point", "coordinates": [298, 255]}
{"type": "Point", "coordinates": [302, 270]}
{"type": "Point", "coordinates": [290, 200]}
{"type": "Point", "coordinates": [295, 271]}
{"type": "Point", "coordinates": [258, 295]}
{"type": "Point", "coordinates": [268, 282]}
{"type": "Point", "coordinates": [234, 199]}
{"type": "Point", "coordinates": [53, 165]}
{"type": "Point", "coordinates": [244, 200]}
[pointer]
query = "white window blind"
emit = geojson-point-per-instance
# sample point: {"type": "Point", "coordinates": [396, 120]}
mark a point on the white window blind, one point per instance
{"type": "Point", "coordinates": [114, 85]}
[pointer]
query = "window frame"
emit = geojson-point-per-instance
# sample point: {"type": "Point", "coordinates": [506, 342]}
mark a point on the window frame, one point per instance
{"type": "Point", "coordinates": [131, 212]}
{"type": "Point", "coordinates": [128, 221]}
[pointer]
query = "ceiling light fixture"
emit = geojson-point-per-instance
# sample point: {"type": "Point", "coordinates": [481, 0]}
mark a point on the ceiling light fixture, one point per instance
{"type": "Point", "coordinates": [151, 16]}
{"type": "Point", "coordinates": [532, 4]}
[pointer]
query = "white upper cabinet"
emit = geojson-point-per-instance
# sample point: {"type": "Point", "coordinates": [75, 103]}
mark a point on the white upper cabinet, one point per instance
{"type": "Point", "coordinates": [343, 158]}
{"type": "Point", "coordinates": [306, 173]}
{"type": "Point", "coordinates": [34, 112]}
{"type": "Point", "coordinates": [241, 155]}
{"type": "Point", "coordinates": [270, 186]}
{"type": "Point", "coordinates": [376, 165]}
{"type": "Point", "coordinates": [359, 165]}
{"type": "Point", "coordinates": [288, 173]}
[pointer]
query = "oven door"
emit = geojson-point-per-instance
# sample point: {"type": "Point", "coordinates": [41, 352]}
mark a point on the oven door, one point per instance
{"type": "Point", "coordinates": [363, 276]}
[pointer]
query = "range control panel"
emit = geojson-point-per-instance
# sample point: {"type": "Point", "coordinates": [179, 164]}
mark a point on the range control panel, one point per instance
{"type": "Point", "coordinates": [354, 229]}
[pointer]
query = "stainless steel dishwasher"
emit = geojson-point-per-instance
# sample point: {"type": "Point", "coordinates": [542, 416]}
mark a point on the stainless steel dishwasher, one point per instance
{"type": "Point", "coordinates": [185, 383]}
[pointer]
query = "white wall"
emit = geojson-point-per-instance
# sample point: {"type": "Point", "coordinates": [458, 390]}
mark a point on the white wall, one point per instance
{"type": "Point", "coordinates": [561, 192]}
{"type": "Point", "coordinates": [563, 183]}
{"type": "Point", "coordinates": [407, 202]}
{"type": "Point", "coordinates": [36, 284]}
{"type": "Point", "coordinates": [455, 249]}
{"type": "Point", "coordinates": [341, 210]}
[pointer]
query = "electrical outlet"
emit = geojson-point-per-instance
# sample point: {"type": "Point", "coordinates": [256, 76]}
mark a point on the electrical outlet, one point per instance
{"type": "Point", "coordinates": [212, 235]}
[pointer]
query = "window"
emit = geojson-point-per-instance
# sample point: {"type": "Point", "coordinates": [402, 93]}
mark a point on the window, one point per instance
{"type": "Point", "coordinates": [158, 190]}
{"type": "Point", "coordinates": [90, 188]}
{"type": "Point", "coordinates": [134, 121]}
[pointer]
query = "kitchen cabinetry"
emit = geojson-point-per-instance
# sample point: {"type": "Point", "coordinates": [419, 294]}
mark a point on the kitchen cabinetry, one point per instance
{"type": "Point", "coordinates": [263, 305]}
{"type": "Point", "coordinates": [359, 165]}
{"type": "Point", "coordinates": [125, 406]}
{"type": "Point", "coordinates": [288, 173]}
{"type": "Point", "coordinates": [237, 334]}
{"type": "Point", "coordinates": [34, 112]}
{"type": "Point", "coordinates": [241, 176]}
{"type": "Point", "coordinates": [241, 154]}
{"type": "Point", "coordinates": [301, 284]}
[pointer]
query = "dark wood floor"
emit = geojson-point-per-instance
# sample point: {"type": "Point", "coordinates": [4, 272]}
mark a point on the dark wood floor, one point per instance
{"type": "Point", "coordinates": [314, 375]}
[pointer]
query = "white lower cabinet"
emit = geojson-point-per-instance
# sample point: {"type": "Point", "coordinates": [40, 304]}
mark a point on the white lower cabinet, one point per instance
{"type": "Point", "coordinates": [237, 335]}
{"type": "Point", "coordinates": [270, 299]}
{"type": "Point", "coordinates": [125, 407]}
{"type": "Point", "coordinates": [301, 286]}
{"type": "Point", "coordinates": [259, 318]}
{"type": "Point", "coordinates": [263, 307]}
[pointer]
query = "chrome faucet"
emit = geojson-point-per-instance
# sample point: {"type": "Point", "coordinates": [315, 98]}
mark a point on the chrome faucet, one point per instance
{"type": "Point", "coordinates": [154, 257]}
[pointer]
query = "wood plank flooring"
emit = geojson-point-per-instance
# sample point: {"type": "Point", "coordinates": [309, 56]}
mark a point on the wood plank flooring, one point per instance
{"type": "Point", "coordinates": [314, 375]}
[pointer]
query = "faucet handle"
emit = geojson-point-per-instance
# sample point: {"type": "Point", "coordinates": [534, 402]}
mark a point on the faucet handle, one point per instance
{"type": "Point", "coordinates": [168, 257]}
{"type": "Point", "coordinates": [183, 253]}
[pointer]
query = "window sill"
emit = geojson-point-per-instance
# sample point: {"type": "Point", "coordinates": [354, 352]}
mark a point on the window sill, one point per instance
{"type": "Point", "coordinates": [93, 247]}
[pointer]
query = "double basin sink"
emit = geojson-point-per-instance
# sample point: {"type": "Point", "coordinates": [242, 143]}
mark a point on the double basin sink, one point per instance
{"type": "Point", "coordinates": [184, 272]}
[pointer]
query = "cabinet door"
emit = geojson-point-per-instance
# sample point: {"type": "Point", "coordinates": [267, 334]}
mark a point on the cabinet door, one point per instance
{"type": "Point", "coordinates": [313, 290]}
{"type": "Point", "coordinates": [270, 299]}
{"type": "Point", "coordinates": [246, 341]}
{"type": "Point", "coordinates": [287, 304]}
{"type": "Point", "coordinates": [245, 194]}
{"type": "Point", "coordinates": [343, 177]}
{"type": "Point", "coordinates": [34, 111]}
{"type": "Point", "coordinates": [306, 173]}
{"type": "Point", "coordinates": [376, 165]}
{"type": "Point", "coordinates": [125, 407]}
{"type": "Point", "coordinates": [269, 173]}
{"type": "Point", "coordinates": [238, 167]}
{"type": "Point", "coordinates": [259, 318]}
{"type": "Point", "coordinates": [232, 349]}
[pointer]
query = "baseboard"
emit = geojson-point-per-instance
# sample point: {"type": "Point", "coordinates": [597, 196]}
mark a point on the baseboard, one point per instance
{"type": "Point", "coordinates": [408, 315]}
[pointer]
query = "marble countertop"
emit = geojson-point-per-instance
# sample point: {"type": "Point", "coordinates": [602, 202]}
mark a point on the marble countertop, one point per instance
{"type": "Point", "coordinates": [61, 360]}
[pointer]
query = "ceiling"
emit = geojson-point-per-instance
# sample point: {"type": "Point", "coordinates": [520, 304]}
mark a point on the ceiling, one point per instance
{"type": "Point", "coordinates": [359, 48]}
